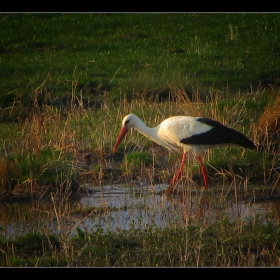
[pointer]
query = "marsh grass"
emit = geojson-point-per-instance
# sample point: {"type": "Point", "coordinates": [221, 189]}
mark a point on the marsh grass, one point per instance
{"type": "Point", "coordinates": [61, 147]}
{"type": "Point", "coordinates": [203, 234]}
{"type": "Point", "coordinates": [214, 241]}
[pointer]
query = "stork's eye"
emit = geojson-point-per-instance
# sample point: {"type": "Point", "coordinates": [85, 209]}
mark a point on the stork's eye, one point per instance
{"type": "Point", "coordinates": [126, 122]}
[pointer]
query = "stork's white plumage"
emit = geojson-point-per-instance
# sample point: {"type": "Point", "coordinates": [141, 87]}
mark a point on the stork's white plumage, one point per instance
{"type": "Point", "coordinates": [186, 133]}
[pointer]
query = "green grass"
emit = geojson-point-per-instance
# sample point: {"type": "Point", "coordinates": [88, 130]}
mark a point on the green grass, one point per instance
{"type": "Point", "coordinates": [225, 244]}
{"type": "Point", "coordinates": [138, 159]}
{"type": "Point", "coordinates": [134, 55]}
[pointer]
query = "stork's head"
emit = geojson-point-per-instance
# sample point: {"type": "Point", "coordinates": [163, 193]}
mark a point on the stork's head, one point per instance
{"type": "Point", "coordinates": [127, 122]}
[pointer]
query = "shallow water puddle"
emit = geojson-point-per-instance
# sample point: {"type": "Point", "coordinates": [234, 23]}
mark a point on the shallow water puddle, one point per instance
{"type": "Point", "coordinates": [117, 208]}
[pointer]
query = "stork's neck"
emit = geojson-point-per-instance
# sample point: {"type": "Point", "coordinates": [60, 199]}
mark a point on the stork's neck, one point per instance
{"type": "Point", "coordinates": [149, 132]}
{"type": "Point", "coordinates": [153, 134]}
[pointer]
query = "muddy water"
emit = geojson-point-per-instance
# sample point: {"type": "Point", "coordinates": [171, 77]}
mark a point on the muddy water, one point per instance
{"type": "Point", "coordinates": [117, 208]}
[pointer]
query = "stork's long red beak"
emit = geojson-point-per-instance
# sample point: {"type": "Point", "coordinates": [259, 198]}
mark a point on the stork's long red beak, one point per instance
{"type": "Point", "coordinates": [120, 137]}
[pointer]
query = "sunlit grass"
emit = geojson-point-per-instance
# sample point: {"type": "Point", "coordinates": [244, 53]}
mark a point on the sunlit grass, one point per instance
{"type": "Point", "coordinates": [78, 141]}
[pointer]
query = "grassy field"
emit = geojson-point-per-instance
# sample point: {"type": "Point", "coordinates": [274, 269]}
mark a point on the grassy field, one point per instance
{"type": "Point", "coordinates": [67, 80]}
{"type": "Point", "coordinates": [135, 55]}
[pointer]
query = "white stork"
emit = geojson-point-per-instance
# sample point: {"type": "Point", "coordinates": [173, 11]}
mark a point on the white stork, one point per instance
{"type": "Point", "coordinates": [187, 134]}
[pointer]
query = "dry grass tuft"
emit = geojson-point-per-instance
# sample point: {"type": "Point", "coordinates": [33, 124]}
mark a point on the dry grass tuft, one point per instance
{"type": "Point", "coordinates": [190, 106]}
{"type": "Point", "coordinates": [268, 127]}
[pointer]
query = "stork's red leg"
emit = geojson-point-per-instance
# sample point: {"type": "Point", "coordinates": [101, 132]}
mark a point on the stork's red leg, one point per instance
{"type": "Point", "coordinates": [177, 175]}
{"type": "Point", "coordinates": [203, 169]}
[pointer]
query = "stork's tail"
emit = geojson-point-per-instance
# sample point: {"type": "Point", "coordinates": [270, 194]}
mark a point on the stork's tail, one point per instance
{"type": "Point", "coordinates": [241, 140]}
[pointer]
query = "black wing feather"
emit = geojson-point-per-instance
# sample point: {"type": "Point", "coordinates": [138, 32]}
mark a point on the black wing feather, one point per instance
{"type": "Point", "coordinates": [218, 135]}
